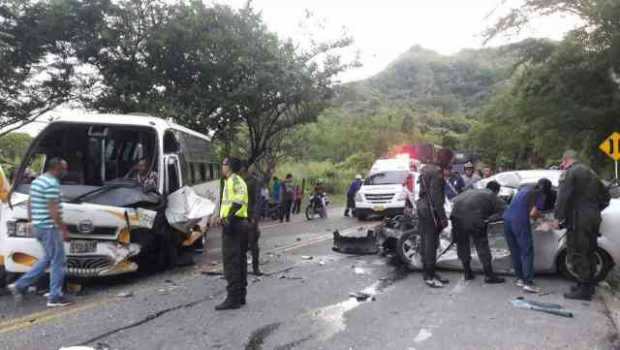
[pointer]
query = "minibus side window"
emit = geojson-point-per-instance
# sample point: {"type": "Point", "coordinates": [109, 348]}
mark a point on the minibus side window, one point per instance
{"type": "Point", "coordinates": [173, 175]}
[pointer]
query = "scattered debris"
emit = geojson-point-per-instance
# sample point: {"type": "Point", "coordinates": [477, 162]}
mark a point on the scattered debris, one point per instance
{"type": "Point", "coordinates": [256, 279]}
{"type": "Point", "coordinates": [298, 239]}
{"type": "Point", "coordinates": [307, 257]}
{"type": "Point", "coordinates": [74, 288]}
{"type": "Point", "coordinates": [553, 309]}
{"type": "Point", "coordinates": [356, 241]}
{"type": "Point", "coordinates": [361, 296]}
{"type": "Point", "coordinates": [125, 294]}
{"type": "Point", "coordinates": [423, 335]}
{"type": "Point", "coordinates": [282, 277]}
{"type": "Point", "coordinates": [321, 262]}
{"type": "Point", "coordinates": [212, 273]}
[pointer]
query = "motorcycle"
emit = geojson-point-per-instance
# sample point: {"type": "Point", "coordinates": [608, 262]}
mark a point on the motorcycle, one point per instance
{"type": "Point", "coordinates": [317, 206]}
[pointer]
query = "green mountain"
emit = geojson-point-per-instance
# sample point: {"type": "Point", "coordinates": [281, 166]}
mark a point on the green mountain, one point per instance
{"type": "Point", "coordinates": [421, 78]}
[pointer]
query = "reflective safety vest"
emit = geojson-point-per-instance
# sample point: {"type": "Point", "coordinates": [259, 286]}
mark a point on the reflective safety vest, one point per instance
{"type": "Point", "coordinates": [235, 192]}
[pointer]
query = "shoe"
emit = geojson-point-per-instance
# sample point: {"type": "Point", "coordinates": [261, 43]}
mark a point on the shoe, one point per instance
{"type": "Point", "coordinates": [433, 283]}
{"type": "Point", "coordinates": [441, 279]}
{"type": "Point", "coordinates": [519, 283]}
{"type": "Point", "coordinates": [59, 302]}
{"type": "Point", "coordinates": [494, 279]}
{"type": "Point", "coordinates": [583, 292]}
{"type": "Point", "coordinates": [18, 295]}
{"type": "Point", "coordinates": [575, 287]}
{"type": "Point", "coordinates": [530, 288]}
{"type": "Point", "coordinates": [229, 304]}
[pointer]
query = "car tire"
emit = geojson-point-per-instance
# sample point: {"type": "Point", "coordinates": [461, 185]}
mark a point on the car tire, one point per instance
{"type": "Point", "coordinates": [408, 249]}
{"type": "Point", "coordinates": [362, 217]}
{"type": "Point", "coordinates": [604, 264]}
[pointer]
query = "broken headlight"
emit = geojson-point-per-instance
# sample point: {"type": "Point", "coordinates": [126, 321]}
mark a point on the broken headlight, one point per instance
{"type": "Point", "coordinates": [18, 229]}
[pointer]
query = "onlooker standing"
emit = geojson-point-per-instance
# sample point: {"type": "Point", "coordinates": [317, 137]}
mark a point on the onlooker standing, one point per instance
{"type": "Point", "coordinates": [526, 204]}
{"type": "Point", "coordinates": [581, 198]}
{"type": "Point", "coordinates": [470, 177]}
{"type": "Point", "coordinates": [286, 198]}
{"type": "Point", "coordinates": [487, 172]}
{"type": "Point", "coordinates": [45, 214]}
{"type": "Point", "coordinates": [254, 182]}
{"type": "Point", "coordinates": [275, 190]}
{"type": "Point", "coordinates": [353, 189]}
{"type": "Point", "coordinates": [264, 200]}
{"type": "Point", "coordinates": [454, 182]}
{"type": "Point", "coordinates": [297, 198]}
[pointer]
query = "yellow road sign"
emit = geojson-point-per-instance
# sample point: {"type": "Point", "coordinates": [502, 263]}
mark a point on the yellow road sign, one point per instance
{"type": "Point", "coordinates": [611, 146]}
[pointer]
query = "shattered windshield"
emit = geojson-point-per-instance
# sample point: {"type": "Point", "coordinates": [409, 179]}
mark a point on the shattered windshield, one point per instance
{"type": "Point", "coordinates": [387, 178]}
{"type": "Point", "coordinates": [112, 156]}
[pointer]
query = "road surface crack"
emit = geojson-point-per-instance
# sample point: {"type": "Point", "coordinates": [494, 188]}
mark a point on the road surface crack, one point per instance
{"type": "Point", "coordinates": [149, 318]}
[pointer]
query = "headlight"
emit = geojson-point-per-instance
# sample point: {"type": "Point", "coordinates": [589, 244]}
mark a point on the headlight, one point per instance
{"type": "Point", "coordinates": [358, 197]}
{"type": "Point", "coordinates": [18, 229]}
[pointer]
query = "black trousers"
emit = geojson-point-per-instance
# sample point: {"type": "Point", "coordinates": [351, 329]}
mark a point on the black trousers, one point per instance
{"type": "Point", "coordinates": [285, 212]}
{"type": "Point", "coordinates": [234, 248]}
{"type": "Point", "coordinates": [430, 243]}
{"type": "Point", "coordinates": [253, 236]}
{"type": "Point", "coordinates": [350, 204]}
{"type": "Point", "coordinates": [581, 245]}
{"type": "Point", "coordinates": [463, 236]}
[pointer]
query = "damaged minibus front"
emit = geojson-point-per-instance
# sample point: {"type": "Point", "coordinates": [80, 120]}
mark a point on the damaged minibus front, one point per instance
{"type": "Point", "coordinates": [138, 194]}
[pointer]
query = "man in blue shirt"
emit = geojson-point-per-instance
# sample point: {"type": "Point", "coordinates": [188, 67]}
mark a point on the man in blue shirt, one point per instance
{"type": "Point", "coordinates": [353, 189]}
{"type": "Point", "coordinates": [45, 214]}
{"type": "Point", "coordinates": [526, 204]}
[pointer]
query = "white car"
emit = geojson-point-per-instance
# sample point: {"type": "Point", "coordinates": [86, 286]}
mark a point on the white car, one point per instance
{"type": "Point", "coordinates": [549, 244]}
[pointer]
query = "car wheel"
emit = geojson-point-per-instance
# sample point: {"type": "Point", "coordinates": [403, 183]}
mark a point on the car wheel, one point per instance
{"type": "Point", "coordinates": [604, 264]}
{"type": "Point", "coordinates": [362, 217]}
{"type": "Point", "coordinates": [408, 249]}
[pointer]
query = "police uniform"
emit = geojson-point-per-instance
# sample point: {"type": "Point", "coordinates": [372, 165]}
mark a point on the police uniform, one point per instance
{"type": "Point", "coordinates": [431, 215]}
{"type": "Point", "coordinates": [254, 185]}
{"type": "Point", "coordinates": [471, 211]}
{"type": "Point", "coordinates": [581, 198]}
{"type": "Point", "coordinates": [234, 213]}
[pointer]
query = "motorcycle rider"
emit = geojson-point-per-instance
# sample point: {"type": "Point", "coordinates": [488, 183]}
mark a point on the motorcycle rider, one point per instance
{"type": "Point", "coordinates": [471, 212]}
{"type": "Point", "coordinates": [581, 198]}
{"type": "Point", "coordinates": [431, 213]}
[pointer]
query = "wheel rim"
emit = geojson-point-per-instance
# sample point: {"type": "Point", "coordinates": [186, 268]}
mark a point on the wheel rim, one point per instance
{"type": "Point", "coordinates": [599, 266]}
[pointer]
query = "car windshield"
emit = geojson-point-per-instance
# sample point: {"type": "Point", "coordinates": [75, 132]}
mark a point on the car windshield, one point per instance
{"type": "Point", "coordinates": [96, 155]}
{"type": "Point", "coordinates": [387, 178]}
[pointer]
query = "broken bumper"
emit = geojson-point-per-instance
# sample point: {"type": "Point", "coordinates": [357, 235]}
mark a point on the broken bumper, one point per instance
{"type": "Point", "coordinates": [110, 259]}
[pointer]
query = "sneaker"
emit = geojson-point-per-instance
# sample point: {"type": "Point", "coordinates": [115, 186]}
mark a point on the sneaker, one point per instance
{"type": "Point", "coordinates": [442, 279]}
{"type": "Point", "coordinates": [530, 288]}
{"type": "Point", "coordinates": [59, 302]}
{"type": "Point", "coordinates": [519, 283]}
{"type": "Point", "coordinates": [18, 295]}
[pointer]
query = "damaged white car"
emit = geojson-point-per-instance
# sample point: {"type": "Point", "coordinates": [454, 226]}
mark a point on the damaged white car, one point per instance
{"type": "Point", "coordinates": [549, 244]}
{"type": "Point", "coordinates": [138, 194]}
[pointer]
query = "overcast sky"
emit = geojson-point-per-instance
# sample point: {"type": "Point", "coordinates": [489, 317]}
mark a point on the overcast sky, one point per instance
{"type": "Point", "coordinates": [384, 29]}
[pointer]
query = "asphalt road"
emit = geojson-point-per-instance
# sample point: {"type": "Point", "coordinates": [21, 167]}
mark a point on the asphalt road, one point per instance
{"type": "Point", "coordinates": [303, 302]}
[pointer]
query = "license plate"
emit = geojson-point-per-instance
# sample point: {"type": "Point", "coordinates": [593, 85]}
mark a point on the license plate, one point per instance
{"type": "Point", "coordinates": [82, 247]}
{"type": "Point", "coordinates": [146, 218]}
{"type": "Point", "coordinates": [378, 208]}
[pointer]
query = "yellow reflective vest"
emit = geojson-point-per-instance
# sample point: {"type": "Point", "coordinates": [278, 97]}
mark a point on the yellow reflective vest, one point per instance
{"type": "Point", "coordinates": [235, 192]}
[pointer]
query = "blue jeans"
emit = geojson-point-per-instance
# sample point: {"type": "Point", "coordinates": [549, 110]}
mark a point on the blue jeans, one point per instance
{"type": "Point", "coordinates": [519, 239]}
{"type": "Point", "coordinates": [54, 257]}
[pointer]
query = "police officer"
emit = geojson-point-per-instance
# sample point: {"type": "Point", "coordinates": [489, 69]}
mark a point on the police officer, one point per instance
{"type": "Point", "coordinates": [431, 214]}
{"type": "Point", "coordinates": [233, 216]}
{"type": "Point", "coordinates": [470, 177]}
{"type": "Point", "coordinates": [254, 183]}
{"type": "Point", "coordinates": [581, 198]}
{"type": "Point", "coordinates": [471, 212]}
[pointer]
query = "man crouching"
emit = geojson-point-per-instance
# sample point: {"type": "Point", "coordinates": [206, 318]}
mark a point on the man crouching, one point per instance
{"type": "Point", "coordinates": [472, 211]}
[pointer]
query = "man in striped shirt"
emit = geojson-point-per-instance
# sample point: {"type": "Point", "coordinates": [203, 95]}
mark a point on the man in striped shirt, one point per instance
{"type": "Point", "coordinates": [45, 214]}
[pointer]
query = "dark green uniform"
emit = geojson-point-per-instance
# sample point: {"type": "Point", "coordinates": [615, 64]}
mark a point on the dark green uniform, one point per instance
{"type": "Point", "coordinates": [254, 184]}
{"type": "Point", "coordinates": [581, 198]}
{"type": "Point", "coordinates": [431, 215]}
{"type": "Point", "coordinates": [471, 212]}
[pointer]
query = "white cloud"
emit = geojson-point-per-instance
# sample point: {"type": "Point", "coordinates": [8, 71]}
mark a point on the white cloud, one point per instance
{"type": "Point", "coordinates": [384, 29]}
